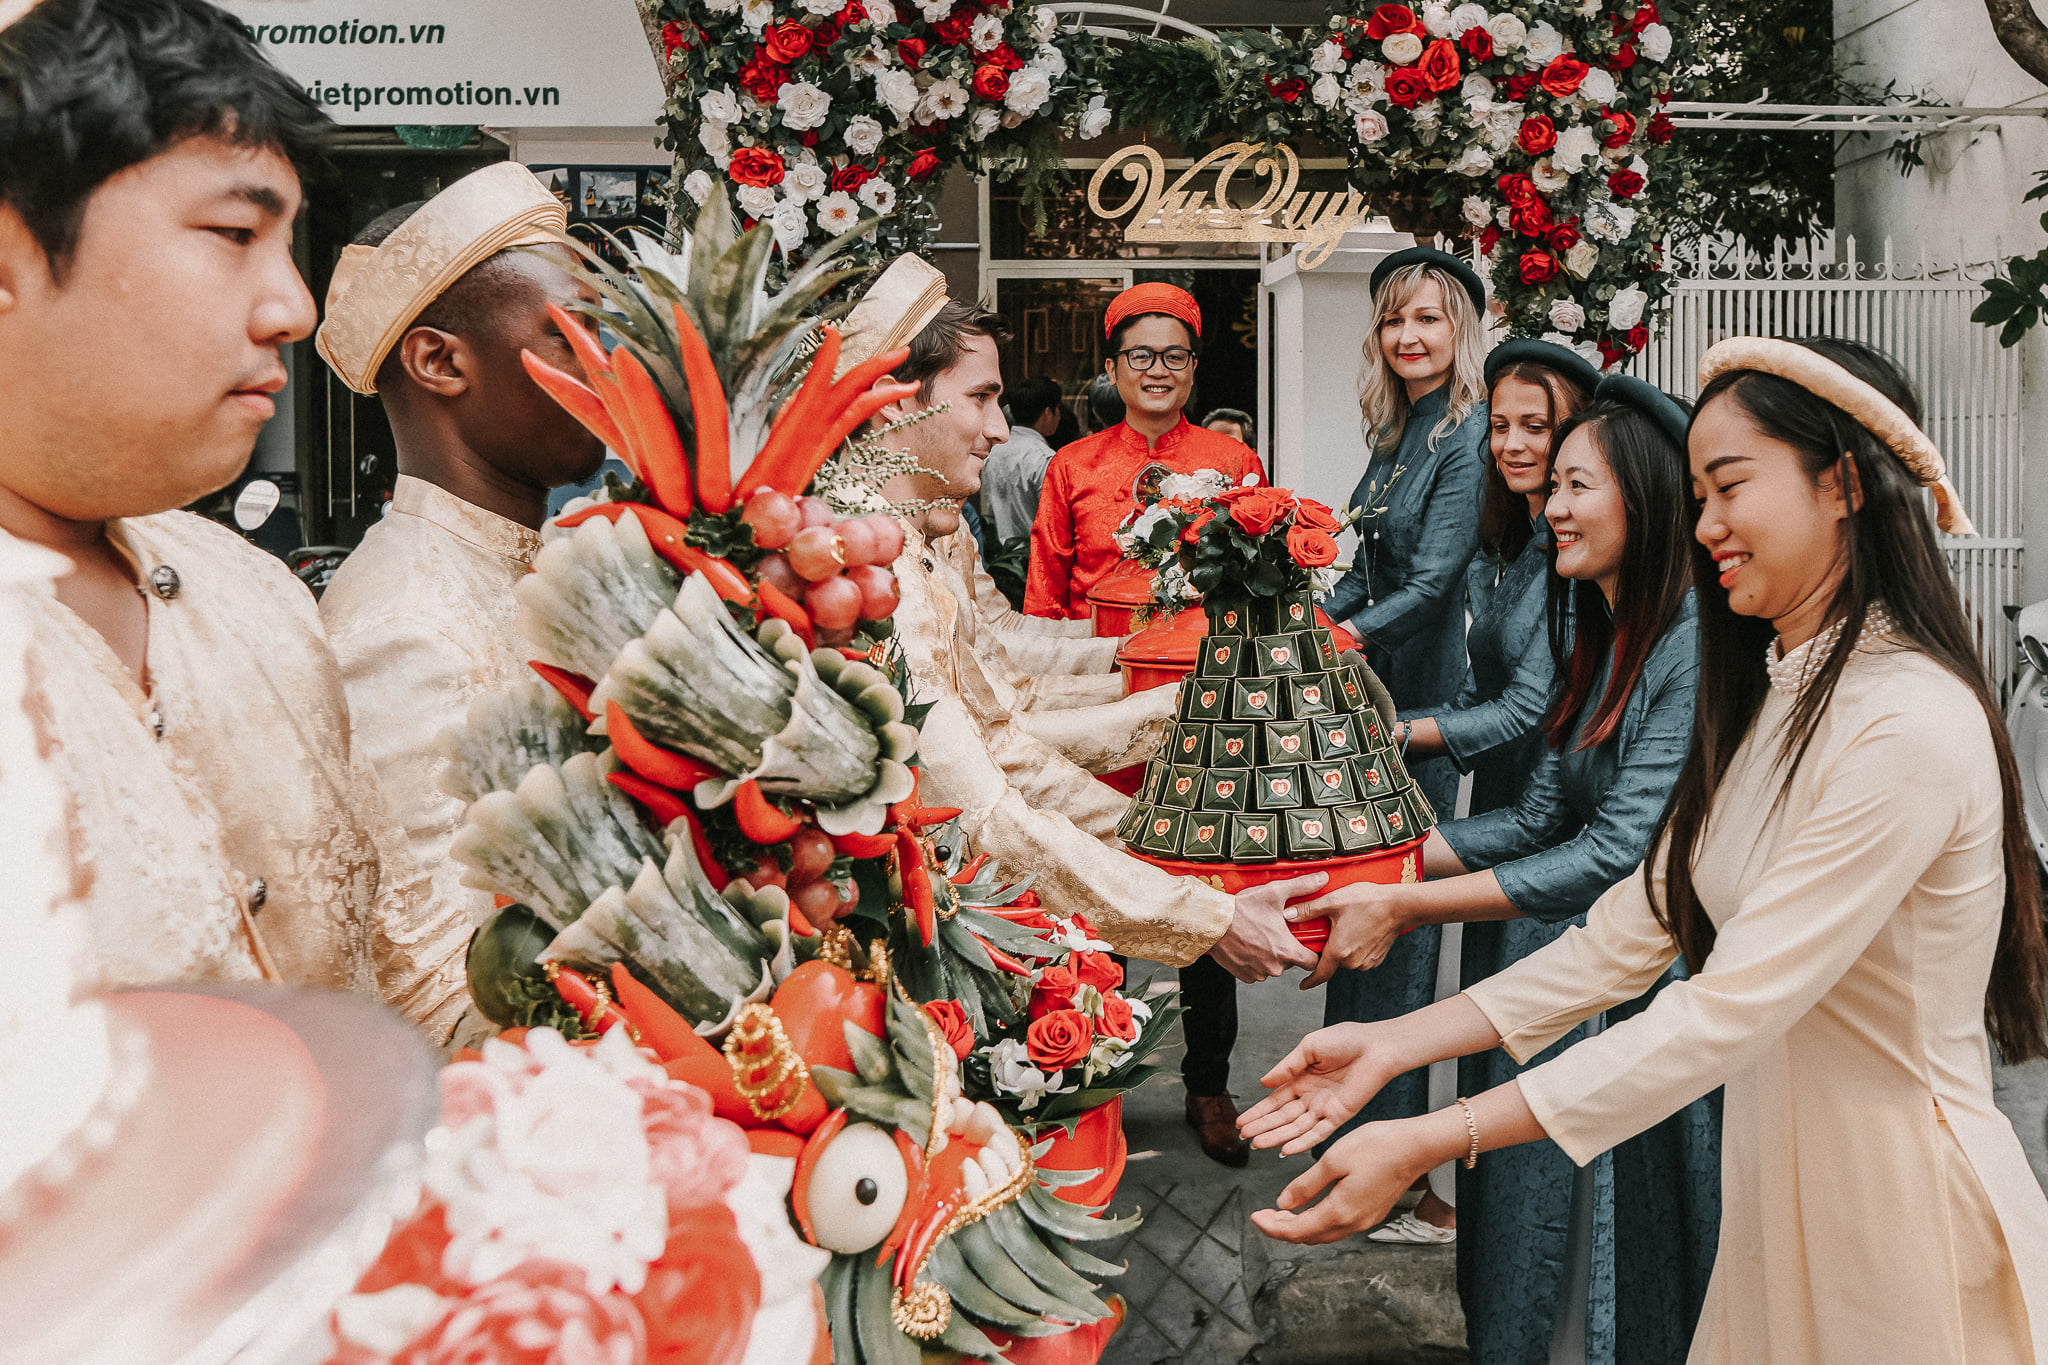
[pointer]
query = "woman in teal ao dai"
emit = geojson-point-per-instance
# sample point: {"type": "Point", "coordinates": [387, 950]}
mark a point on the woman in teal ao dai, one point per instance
{"type": "Point", "coordinates": [1611, 1263]}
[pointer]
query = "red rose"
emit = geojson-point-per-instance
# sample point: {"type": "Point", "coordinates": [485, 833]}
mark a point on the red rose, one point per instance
{"type": "Point", "coordinates": [1098, 970]}
{"type": "Point", "coordinates": [540, 1301]}
{"type": "Point", "coordinates": [1391, 19]}
{"type": "Point", "coordinates": [1517, 189]}
{"type": "Point", "coordinates": [1407, 86]}
{"type": "Point", "coordinates": [1624, 127]}
{"type": "Point", "coordinates": [1478, 43]}
{"type": "Point", "coordinates": [1290, 88]}
{"type": "Point", "coordinates": [1660, 129]}
{"type": "Point", "coordinates": [851, 177]}
{"type": "Point", "coordinates": [951, 1017]}
{"type": "Point", "coordinates": [672, 38]}
{"type": "Point", "coordinates": [851, 13]}
{"type": "Point", "coordinates": [1562, 76]}
{"type": "Point", "coordinates": [1625, 184]}
{"type": "Point", "coordinates": [910, 51]}
{"type": "Point", "coordinates": [1611, 355]}
{"type": "Point", "coordinates": [1488, 240]}
{"type": "Point", "coordinates": [1054, 991]}
{"type": "Point", "coordinates": [1193, 531]}
{"type": "Point", "coordinates": [1538, 266]}
{"type": "Point", "coordinates": [991, 82]}
{"type": "Point", "coordinates": [1531, 218]}
{"type": "Point", "coordinates": [694, 1304]}
{"type": "Point", "coordinates": [923, 165]}
{"type": "Point", "coordinates": [1058, 1040]}
{"type": "Point", "coordinates": [1638, 337]}
{"type": "Point", "coordinates": [1311, 549]}
{"type": "Point", "coordinates": [1646, 15]}
{"type": "Point", "coordinates": [762, 78]}
{"type": "Point", "coordinates": [1538, 135]}
{"type": "Point", "coordinates": [1564, 236]}
{"type": "Point", "coordinates": [1005, 56]}
{"type": "Point", "coordinates": [1625, 58]}
{"type": "Point", "coordinates": [756, 166]}
{"type": "Point", "coordinates": [1115, 1020]}
{"type": "Point", "coordinates": [954, 30]}
{"type": "Point", "coordinates": [1440, 65]}
{"type": "Point", "coordinates": [1312, 514]}
{"type": "Point", "coordinates": [1258, 514]}
{"type": "Point", "coordinates": [786, 41]}
{"type": "Point", "coordinates": [825, 33]}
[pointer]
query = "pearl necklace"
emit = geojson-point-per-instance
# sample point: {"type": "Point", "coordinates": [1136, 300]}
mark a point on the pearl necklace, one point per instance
{"type": "Point", "coordinates": [1791, 672]}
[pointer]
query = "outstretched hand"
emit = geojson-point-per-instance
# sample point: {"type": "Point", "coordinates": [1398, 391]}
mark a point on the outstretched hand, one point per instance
{"type": "Point", "coordinates": [1326, 1079]}
{"type": "Point", "coordinates": [1363, 1175]}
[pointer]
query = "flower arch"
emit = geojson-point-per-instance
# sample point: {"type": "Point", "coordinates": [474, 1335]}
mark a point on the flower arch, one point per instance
{"type": "Point", "coordinates": [1534, 128]}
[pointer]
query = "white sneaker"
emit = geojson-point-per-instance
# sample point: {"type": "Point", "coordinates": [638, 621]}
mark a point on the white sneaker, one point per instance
{"type": "Point", "coordinates": [1408, 1230]}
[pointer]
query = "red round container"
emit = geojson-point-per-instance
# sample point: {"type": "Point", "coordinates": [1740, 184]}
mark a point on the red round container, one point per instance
{"type": "Point", "coordinates": [1119, 597]}
{"type": "Point", "coordinates": [1163, 654]}
{"type": "Point", "coordinates": [1097, 1144]}
{"type": "Point", "coordinates": [1401, 863]}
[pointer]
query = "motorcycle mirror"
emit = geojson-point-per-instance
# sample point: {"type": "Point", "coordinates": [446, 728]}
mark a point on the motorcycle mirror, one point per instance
{"type": "Point", "coordinates": [257, 500]}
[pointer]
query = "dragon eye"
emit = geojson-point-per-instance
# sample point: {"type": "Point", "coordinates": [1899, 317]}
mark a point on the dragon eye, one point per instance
{"type": "Point", "coordinates": [857, 1189]}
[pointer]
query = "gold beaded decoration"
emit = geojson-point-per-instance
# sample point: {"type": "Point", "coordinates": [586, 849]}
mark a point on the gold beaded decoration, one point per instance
{"type": "Point", "coordinates": [764, 1063]}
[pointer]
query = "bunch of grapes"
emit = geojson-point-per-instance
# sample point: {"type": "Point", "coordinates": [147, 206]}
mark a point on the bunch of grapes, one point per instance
{"type": "Point", "coordinates": [837, 567]}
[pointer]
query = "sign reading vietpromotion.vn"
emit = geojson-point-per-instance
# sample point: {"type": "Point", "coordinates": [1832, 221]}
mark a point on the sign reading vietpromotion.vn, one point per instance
{"type": "Point", "coordinates": [504, 63]}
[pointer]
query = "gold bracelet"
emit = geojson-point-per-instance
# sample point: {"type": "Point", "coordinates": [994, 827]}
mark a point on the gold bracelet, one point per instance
{"type": "Point", "coordinates": [1472, 1127]}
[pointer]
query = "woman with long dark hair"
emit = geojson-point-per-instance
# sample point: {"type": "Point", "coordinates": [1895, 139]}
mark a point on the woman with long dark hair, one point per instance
{"type": "Point", "coordinates": [1611, 1260]}
{"type": "Point", "coordinates": [1845, 869]}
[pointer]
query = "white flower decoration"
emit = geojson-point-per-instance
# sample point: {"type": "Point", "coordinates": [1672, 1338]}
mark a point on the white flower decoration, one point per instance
{"type": "Point", "coordinates": [1478, 92]}
{"type": "Point", "coordinates": [1095, 118]}
{"type": "Point", "coordinates": [719, 106]}
{"type": "Point", "coordinates": [821, 8]}
{"type": "Point", "coordinates": [1575, 146]}
{"type": "Point", "coordinates": [1011, 1072]}
{"type": "Point", "coordinates": [757, 14]}
{"type": "Point", "coordinates": [806, 180]}
{"type": "Point", "coordinates": [863, 135]}
{"type": "Point", "coordinates": [756, 201]}
{"type": "Point", "coordinates": [697, 184]}
{"type": "Point", "coordinates": [838, 213]}
{"type": "Point", "coordinates": [1508, 32]}
{"type": "Point", "coordinates": [1475, 211]}
{"type": "Point", "coordinates": [1326, 91]}
{"type": "Point", "coordinates": [803, 105]}
{"type": "Point", "coordinates": [1050, 60]}
{"type": "Point", "coordinates": [1328, 57]}
{"type": "Point", "coordinates": [985, 32]}
{"type": "Point", "coordinates": [934, 10]}
{"type": "Point", "coordinates": [1428, 114]}
{"type": "Point", "coordinates": [897, 89]}
{"type": "Point", "coordinates": [1500, 125]}
{"type": "Point", "coordinates": [1557, 339]}
{"type": "Point", "coordinates": [1436, 17]}
{"type": "Point", "coordinates": [985, 121]}
{"type": "Point", "coordinates": [1028, 92]}
{"type": "Point", "coordinates": [1608, 221]}
{"type": "Point", "coordinates": [1589, 8]}
{"type": "Point", "coordinates": [1544, 43]}
{"type": "Point", "coordinates": [879, 195]}
{"type": "Point", "coordinates": [1368, 74]}
{"type": "Point", "coordinates": [1548, 177]}
{"type": "Point", "coordinates": [721, 6]}
{"type": "Point", "coordinates": [1599, 86]}
{"type": "Point", "coordinates": [791, 224]}
{"type": "Point", "coordinates": [1476, 161]}
{"type": "Point", "coordinates": [1401, 48]}
{"type": "Point", "coordinates": [881, 13]}
{"type": "Point", "coordinates": [1654, 42]}
{"type": "Point", "coordinates": [1566, 315]}
{"type": "Point", "coordinates": [1467, 16]}
{"type": "Point", "coordinates": [716, 139]}
{"type": "Point", "coordinates": [1581, 259]}
{"type": "Point", "coordinates": [1371, 126]}
{"type": "Point", "coordinates": [1625, 309]}
{"type": "Point", "coordinates": [946, 99]}
{"type": "Point", "coordinates": [872, 60]}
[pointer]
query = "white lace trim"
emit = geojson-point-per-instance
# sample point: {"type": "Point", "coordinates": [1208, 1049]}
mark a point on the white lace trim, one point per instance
{"type": "Point", "coordinates": [1791, 672]}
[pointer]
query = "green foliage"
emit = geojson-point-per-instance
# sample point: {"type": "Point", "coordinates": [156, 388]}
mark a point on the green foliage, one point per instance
{"type": "Point", "coordinates": [2016, 303]}
{"type": "Point", "coordinates": [1174, 89]}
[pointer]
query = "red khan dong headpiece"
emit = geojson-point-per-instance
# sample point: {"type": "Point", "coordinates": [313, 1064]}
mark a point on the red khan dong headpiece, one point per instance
{"type": "Point", "coordinates": [1154, 297]}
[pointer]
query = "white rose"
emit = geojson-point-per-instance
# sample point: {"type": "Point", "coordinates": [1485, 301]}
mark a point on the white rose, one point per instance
{"type": "Point", "coordinates": [1556, 338]}
{"type": "Point", "coordinates": [934, 10]}
{"type": "Point", "coordinates": [1368, 74]}
{"type": "Point", "coordinates": [1581, 259]}
{"type": "Point", "coordinates": [898, 90]}
{"type": "Point", "coordinates": [1548, 177]}
{"type": "Point", "coordinates": [984, 122]}
{"type": "Point", "coordinates": [1095, 118]}
{"type": "Point", "coordinates": [1508, 32]}
{"type": "Point", "coordinates": [806, 180]}
{"type": "Point", "coordinates": [1478, 92]}
{"type": "Point", "coordinates": [803, 105]}
{"type": "Point", "coordinates": [863, 135]}
{"type": "Point", "coordinates": [821, 8]}
{"type": "Point", "coordinates": [1543, 44]}
{"type": "Point", "coordinates": [1599, 86]}
{"type": "Point", "coordinates": [1328, 56]}
{"type": "Point", "coordinates": [716, 139]}
{"type": "Point", "coordinates": [985, 32]}
{"type": "Point", "coordinates": [1575, 146]}
{"type": "Point", "coordinates": [946, 99]}
{"type": "Point", "coordinates": [879, 195]}
{"type": "Point", "coordinates": [1011, 1072]}
{"type": "Point", "coordinates": [791, 225]}
{"type": "Point", "coordinates": [1050, 60]}
{"type": "Point", "coordinates": [881, 14]}
{"type": "Point", "coordinates": [1044, 23]}
{"type": "Point", "coordinates": [1326, 92]}
{"type": "Point", "coordinates": [838, 213]}
{"type": "Point", "coordinates": [1467, 16]}
{"type": "Point", "coordinates": [1012, 119]}
{"type": "Point", "coordinates": [1566, 315]}
{"type": "Point", "coordinates": [1401, 48]}
{"type": "Point", "coordinates": [1360, 99]}
{"type": "Point", "coordinates": [871, 60]}
{"type": "Point", "coordinates": [1476, 161]}
{"type": "Point", "coordinates": [1436, 17]}
{"type": "Point", "coordinates": [1654, 42]}
{"type": "Point", "coordinates": [1589, 8]}
{"type": "Point", "coordinates": [697, 184]}
{"type": "Point", "coordinates": [1625, 309]}
{"type": "Point", "coordinates": [1502, 122]}
{"type": "Point", "coordinates": [1028, 91]}
{"type": "Point", "coordinates": [1475, 211]}
{"type": "Point", "coordinates": [757, 14]}
{"type": "Point", "coordinates": [1371, 126]}
{"type": "Point", "coordinates": [1428, 114]}
{"type": "Point", "coordinates": [757, 201]}
{"type": "Point", "coordinates": [721, 6]}
{"type": "Point", "coordinates": [1609, 221]}
{"type": "Point", "coordinates": [719, 106]}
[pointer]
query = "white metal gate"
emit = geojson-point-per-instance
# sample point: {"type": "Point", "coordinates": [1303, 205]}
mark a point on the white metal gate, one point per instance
{"type": "Point", "coordinates": [1969, 385]}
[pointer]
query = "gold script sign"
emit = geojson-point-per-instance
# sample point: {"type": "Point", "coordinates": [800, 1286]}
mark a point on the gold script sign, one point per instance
{"type": "Point", "coordinates": [1160, 212]}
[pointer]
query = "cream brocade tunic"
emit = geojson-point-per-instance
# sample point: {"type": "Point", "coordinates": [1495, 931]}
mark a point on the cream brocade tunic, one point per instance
{"type": "Point", "coordinates": [1876, 1206]}
{"type": "Point", "coordinates": [226, 803]}
{"type": "Point", "coordinates": [999, 744]}
{"type": "Point", "coordinates": [421, 617]}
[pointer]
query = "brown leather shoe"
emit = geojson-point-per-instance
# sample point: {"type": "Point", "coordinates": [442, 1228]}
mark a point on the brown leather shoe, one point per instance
{"type": "Point", "coordinates": [1214, 1119]}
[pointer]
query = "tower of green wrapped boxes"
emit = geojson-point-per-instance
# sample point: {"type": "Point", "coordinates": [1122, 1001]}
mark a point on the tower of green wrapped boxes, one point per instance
{"type": "Point", "coordinates": [1277, 751]}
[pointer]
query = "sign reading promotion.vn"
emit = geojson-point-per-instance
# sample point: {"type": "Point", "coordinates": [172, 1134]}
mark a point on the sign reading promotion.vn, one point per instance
{"type": "Point", "coordinates": [506, 63]}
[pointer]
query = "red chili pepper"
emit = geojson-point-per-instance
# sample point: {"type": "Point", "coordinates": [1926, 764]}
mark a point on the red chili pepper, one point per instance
{"type": "Point", "coordinates": [653, 432]}
{"type": "Point", "coordinates": [1003, 961]}
{"type": "Point", "coordinates": [779, 604]}
{"type": "Point", "coordinates": [864, 845]}
{"type": "Point", "coordinates": [923, 817]}
{"type": "Point", "coordinates": [574, 687]}
{"type": "Point", "coordinates": [707, 404]}
{"type": "Point", "coordinates": [578, 399]}
{"type": "Point", "coordinates": [578, 994]}
{"type": "Point", "coordinates": [610, 511]}
{"type": "Point", "coordinates": [652, 761]}
{"type": "Point", "coordinates": [665, 534]}
{"type": "Point", "coordinates": [796, 416]}
{"type": "Point", "coordinates": [966, 874]}
{"type": "Point", "coordinates": [848, 403]}
{"type": "Point", "coordinates": [667, 808]}
{"type": "Point", "coordinates": [917, 885]}
{"type": "Point", "coordinates": [659, 1026]}
{"type": "Point", "coordinates": [760, 819]}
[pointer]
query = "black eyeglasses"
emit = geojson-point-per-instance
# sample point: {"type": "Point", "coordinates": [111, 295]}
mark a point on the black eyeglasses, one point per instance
{"type": "Point", "coordinates": [1141, 357]}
